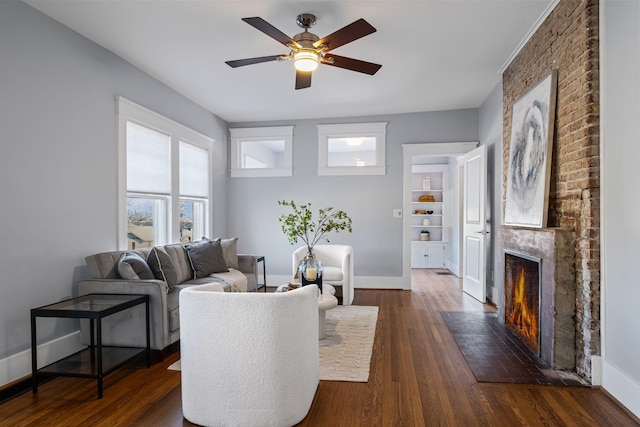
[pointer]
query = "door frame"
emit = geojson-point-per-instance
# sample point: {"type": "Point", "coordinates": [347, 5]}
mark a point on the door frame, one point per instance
{"type": "Point", "coordinates": [445, 149]}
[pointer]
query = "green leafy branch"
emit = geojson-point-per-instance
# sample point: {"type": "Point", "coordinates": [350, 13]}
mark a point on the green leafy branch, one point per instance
{"type": "Point", "coordinates": [300, 223]}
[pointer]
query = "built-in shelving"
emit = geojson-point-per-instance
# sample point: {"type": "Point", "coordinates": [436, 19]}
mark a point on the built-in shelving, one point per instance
{"type": "Point", "coordinates": [428, 215]}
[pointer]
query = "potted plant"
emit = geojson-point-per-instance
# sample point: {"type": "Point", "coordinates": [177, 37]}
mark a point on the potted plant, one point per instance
{"type": "Point", "coordinates": [424, 235]}
{"type": "Point", "coordinates": [300, 224]}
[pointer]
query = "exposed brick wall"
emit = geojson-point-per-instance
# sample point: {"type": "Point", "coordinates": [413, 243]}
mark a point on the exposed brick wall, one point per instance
{"type": "Point", "coordinates": [568, 41]}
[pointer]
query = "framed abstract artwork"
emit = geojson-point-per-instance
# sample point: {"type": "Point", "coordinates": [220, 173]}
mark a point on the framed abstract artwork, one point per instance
{"type": "Point", "coordinates": [529, 167]}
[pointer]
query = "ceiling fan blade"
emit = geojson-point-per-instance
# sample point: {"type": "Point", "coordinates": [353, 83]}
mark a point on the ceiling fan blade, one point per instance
{"type": "Point", "coordinates": [303, 79]}
{"type": "Point", "coordinates": [351, 32]}
{"type": "Point", "coordinates": [271, 31]}
{"type": "Point", "coordinates": [248, 61]}
{"type": "Point", "coordinates": [353, 64]}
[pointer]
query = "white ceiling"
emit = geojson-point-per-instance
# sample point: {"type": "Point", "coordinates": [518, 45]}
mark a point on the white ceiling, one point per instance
{"type": "Point", "coordinates": [435, 54]}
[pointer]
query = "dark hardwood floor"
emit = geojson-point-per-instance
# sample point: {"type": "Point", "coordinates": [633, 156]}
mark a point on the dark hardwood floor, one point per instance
{"type": "Point", "coordinates": [418, 377]}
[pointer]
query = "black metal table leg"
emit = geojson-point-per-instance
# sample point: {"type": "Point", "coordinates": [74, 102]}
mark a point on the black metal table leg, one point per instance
{"type": "Point", "coordinates": [99, 355]}
{"type": "Point", "coordinates": [148, 335]}
{"type": "Point", "coordinates": [34, 355]}
{"type": "Point", "coordinates": [92, 342]}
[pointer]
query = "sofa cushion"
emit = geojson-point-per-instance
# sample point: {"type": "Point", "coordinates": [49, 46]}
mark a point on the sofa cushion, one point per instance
{"type": "Point", "coordinates": [162, 266]}
{"type": "Point", "coordinates": [206, 258]}
{"type": "Point", "coordinates": [230, 252]}
{"type": "Point", "coordinates": [132, 266]}
{"type": "Point", "coordinates": [173, 298]}
{"type": "Point", "coordinates": [180, 261]}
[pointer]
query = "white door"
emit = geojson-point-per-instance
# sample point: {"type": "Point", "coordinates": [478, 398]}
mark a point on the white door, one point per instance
{"type": "Point", "coordinates": [474, 233]}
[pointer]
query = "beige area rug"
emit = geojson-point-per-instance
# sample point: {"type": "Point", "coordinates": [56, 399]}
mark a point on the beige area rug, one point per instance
{"type": "Point", "coordinates": [345, 354]}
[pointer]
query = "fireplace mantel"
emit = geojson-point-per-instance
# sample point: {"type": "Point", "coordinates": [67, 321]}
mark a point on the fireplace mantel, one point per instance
{"type": "Point", "coordinates": [556, 249]}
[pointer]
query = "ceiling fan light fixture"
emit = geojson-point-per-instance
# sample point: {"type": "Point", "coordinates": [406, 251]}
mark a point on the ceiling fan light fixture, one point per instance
{"type": "Point", "coordinates": [306, 60]}
{"type": "Point", "coordinates": [308, 51]}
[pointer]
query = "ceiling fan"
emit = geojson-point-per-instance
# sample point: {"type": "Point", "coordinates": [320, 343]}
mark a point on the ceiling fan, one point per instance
{"type": "Point", "coordinates": [308, 50]}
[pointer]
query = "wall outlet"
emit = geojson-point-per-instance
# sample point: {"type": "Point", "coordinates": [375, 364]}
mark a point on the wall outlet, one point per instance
{"type": "Point", "coordinates": [397, 213]}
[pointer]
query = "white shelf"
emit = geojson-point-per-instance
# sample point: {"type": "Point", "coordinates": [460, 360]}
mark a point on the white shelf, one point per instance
{"type": "Point", "coordinates": [429, 253]}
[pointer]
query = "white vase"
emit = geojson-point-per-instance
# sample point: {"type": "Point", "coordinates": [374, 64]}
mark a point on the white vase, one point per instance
{"type": "Point", "coordinates": [426, 183]}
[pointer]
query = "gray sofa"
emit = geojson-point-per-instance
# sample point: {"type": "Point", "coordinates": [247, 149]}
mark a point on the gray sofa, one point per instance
{"type": "Point", "coordinates": [128, 328]}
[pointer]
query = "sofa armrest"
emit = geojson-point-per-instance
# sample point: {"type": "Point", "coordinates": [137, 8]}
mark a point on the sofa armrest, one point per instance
{"type": "Point", "coordinates": [248, 263]}
{"type": "Point", "coordinates": [249, 267]}
{"type": "Point", "coordinates": [158, 311]}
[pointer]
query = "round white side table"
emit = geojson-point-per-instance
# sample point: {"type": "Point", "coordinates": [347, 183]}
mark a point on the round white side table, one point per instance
{"type": "Point", "coordinates": [326, 301]}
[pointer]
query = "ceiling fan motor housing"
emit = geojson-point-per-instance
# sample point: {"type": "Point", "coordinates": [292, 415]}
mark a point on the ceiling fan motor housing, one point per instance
{"type": "Point", "coordinates": [306, 20]}
{"type": "Point", "coordinates": [306, 39]}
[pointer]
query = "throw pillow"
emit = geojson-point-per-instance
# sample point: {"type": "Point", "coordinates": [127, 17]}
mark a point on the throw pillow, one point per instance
{"type": "Point", "coordinates": [162, 267]}
{"type": "Point", "coordinates": [132, 266]}
{"type": "Point", "coordinates": [230, 252]}
{"type": "Point", "coordinates": [206, 258]}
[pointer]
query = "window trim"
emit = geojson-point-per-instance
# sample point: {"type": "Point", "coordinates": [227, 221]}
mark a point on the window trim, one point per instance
{"type": "Point", "coordinates": [130, 111]}
{"type": "Point", "coordinates": [377, 130]}
{"type": "Point", "coordinates": [239, 135]}
{"type": "Point", "coordinates": [204, 207]}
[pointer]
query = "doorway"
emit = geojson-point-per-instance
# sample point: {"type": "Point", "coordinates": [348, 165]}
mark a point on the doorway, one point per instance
{"type": "Point", "coordinates": [411, 152]}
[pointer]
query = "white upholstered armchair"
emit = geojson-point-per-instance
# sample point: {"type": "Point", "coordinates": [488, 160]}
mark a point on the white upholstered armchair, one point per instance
{"type": "Point", "coordinates": [248, 359]}
{"type": "Point", "coordinates": [337, 261]}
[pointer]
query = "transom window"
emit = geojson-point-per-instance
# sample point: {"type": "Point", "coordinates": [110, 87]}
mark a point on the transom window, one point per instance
{"type": "Point", "coordinates": [352, 149]}
{"type": "Point", "coordinates": [260, 152]}
{"type": "Point", "coordinates": [165, 179]}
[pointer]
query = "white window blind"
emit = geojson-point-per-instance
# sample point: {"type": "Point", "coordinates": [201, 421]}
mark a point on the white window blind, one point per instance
{"type": "Point", "coordinates": [194, 170]}
{"type": "Point", "coordinates": [164, 179]}
{"type": "Point", "coordinates": [148, 160]}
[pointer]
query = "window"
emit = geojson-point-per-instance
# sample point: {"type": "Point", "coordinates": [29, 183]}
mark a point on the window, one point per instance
{"type": "Point", "coordinates": [352, 149]}
{"type": "Point", "coordinates": [260, 152]}
{"type": "Point", "coordinates": [164, 177]}
{"type": "Point", "coordinates": [194, 191]}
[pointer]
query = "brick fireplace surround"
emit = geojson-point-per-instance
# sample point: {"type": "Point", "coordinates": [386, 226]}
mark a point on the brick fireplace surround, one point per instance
{"type": "Point", "coordinates": [568, 41]}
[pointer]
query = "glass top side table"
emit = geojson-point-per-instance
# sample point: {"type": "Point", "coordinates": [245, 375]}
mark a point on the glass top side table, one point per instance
{"type": "Point", "coordinates": [97, 360]}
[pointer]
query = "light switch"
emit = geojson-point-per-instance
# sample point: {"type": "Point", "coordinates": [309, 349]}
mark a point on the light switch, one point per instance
{"type": "Point", "coordinates": [397, 213]}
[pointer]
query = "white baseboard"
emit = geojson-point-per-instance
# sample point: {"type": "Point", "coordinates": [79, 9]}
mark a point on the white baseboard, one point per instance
{"type": "Point", "coordinates": [379, 282]}
{"type": "Point", "coordinates": [624, 389]}
{"type": "Point", "coordinates": [18, 365]}
{"type": "Point", "coordinates": [454, 268]}
{"type": "Point", "coordinates": [596, 370]}
{"type": "Point", "coordinates": [360, 282]}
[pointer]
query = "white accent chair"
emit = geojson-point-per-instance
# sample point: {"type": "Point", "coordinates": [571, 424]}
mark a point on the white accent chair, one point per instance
{"type": "Point", "coordinates": [337, 261]}
{"type": "Point", "coordinates": [248, 359]}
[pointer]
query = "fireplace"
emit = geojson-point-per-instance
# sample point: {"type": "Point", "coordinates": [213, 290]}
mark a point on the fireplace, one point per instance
{"type": "Point", "coordinates": [544, 258]}
{"type": "Point", "coordinates": [522, 298]}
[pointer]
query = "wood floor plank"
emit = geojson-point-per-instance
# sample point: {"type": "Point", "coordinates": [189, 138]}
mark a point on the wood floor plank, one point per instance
{"type": "Point", "coordinates": [418, 376]}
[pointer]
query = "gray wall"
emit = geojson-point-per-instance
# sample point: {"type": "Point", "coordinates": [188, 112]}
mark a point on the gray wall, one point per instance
{"type": "Point", "coordinates": [369, 200]}
{"type": "Point", "coordinates": [58, 164]}
{"type": "Point", "coordinates": [620, 147]}
{"type": "Point", "coordinates": [490, 129]}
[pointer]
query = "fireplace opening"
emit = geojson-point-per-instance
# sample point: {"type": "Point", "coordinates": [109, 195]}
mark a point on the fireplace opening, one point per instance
{"type": "Point", "coordinates": [522, 298]}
